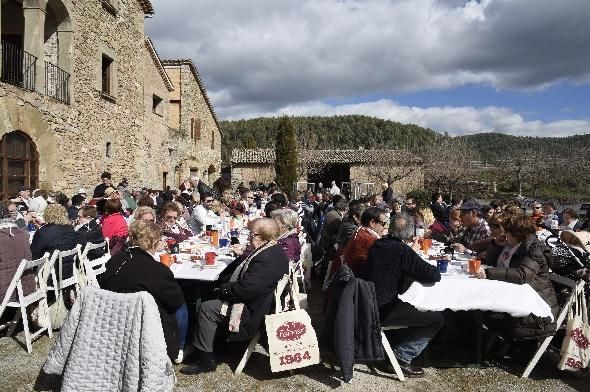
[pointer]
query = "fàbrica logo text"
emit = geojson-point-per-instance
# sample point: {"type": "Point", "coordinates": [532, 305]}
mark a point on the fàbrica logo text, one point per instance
{"type": "Point", "coordinates": [291, 330]}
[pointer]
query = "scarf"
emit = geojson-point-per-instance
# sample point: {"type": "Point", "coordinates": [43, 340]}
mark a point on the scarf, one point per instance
{"type": "Point", "coordinates": [237, 309]}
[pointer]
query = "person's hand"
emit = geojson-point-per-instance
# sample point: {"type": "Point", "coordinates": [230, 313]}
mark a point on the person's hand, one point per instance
{"type": "Point", "coordinates": [458, 247]}
{"type": "Point", "coordinates": [237, 249]}
{"type": "Point", "coordinates": [481, 274]}
{"type": "Point", "coordinates": [416, 244]}
{"type": "Point", "coordinates": [29, 217]}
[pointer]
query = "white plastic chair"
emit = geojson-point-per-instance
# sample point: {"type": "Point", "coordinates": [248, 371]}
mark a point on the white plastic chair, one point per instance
{"type": "Point", "coordinates": [58, 284]}
{"type": "Point", "coordinates": [39, 295]}
{"type": "Point", "coordinates": [278, 309]}
{"type": "Point", "coordinates": [93, 268]}
{"type": "Point", "coordinates": [389, 351]}
{"type": "Point", "coordinates": [576, 287]}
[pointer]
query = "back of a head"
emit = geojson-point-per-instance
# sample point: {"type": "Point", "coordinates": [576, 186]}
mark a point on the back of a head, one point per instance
{"type": "Point", "coordinates": [112, 206]}
{"type": "Point", "coordinates": [56, 214]}
{"type": "Point", "coordinates": [279, 198]}
{"type": "Point", "coordinates": [267, 228]}
{"type": "Point", "coordinates": [78, 200]}
{"type": "Point", "coordinates": [144, 234]}
{"type": "Point", "coordinates": [402, 227]}
{"type": "Point", "coordinates": [356, 208]}
{"type": "Point", "coordinates": [285, 216]}
{"type": "Point", "coordinates": [371, 214]}
{"type": "Point", "coordinates": [340, 202]}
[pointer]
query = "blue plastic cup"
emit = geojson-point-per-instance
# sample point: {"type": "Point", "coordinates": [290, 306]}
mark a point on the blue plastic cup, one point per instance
{"type": "Point", "coordinates": [223, 242]}
{"type": "Point", "coordinates": [442, 265]}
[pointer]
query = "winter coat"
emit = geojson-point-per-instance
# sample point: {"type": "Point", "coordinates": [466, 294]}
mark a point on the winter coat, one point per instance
{"type": "Point", "coordinates": [136, 270]}
{"type": "Point", "coordinates": [351, 327]}
{"type": "Point", "coordinates": [50, 238]}
{"type": "Point", "coordinates": [114, 227]}
{"type": "Point", "coordinates": [357, 249]}
{"type": "Point", "coordinates": [255, 289]}
{"type": "Point", "coordinates": [529, 264]}
{"type": "Point", "coordinates": [14, 247]}
{"type": "Point", "coordinates": [90, 232]}
{"type": "Point", "coordinates": [291, 246]}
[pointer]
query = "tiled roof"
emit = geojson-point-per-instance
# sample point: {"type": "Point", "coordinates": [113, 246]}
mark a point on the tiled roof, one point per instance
{"type": "Point", "coordinates": [147, 7]}
{"type": "Point", "coordinates": [267, 155]}
{"type": "Point", "coordinates": [154, 55]}
{"type": "Point", "coordinates": [193, 69]}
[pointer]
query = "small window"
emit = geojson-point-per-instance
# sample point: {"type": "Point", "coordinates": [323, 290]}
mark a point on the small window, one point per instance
{"type": "Point", "coordinates": [108, 150]}
{"type": "Point", "coordinates": [195, 129]}
{"type": "Point", "coordinates": [213, 139]}
{"type": "Point", "coordinates": [107, 75]}
{"type": "Point", "coordinates": [157, 106]}
{"type": "Point", "coordinates": [164, 180]}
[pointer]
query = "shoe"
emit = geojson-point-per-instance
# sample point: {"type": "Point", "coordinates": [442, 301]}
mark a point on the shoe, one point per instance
{"type": "Point", "coordinates": [411, 371]}
{"type": "Point", "coordinates": [179, 358]}
{"type": "Point", "coordinates": [200, 367]}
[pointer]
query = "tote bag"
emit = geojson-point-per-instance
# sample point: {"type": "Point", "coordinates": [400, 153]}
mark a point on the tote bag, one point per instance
{"type": "Point", "coordinates": [575, 350]}
{"type": "Point", "coordinates": [292, 341]}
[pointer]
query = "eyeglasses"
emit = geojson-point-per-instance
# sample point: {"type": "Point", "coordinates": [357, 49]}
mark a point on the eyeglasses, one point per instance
{"type": "Point", "coordinates": [170, 217]}
{"type": "Point", "coordinates": [383, 223]}
{"type": "Point", "coordinates": [208, 201]}
{"type": "Point", "coordinates": [252, 235]}
{"type": "Point", "coordinates": [249, 197]}
{"type": "Point", "coordinates": [538, 208]}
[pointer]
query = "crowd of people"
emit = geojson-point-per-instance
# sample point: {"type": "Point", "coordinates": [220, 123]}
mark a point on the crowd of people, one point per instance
{"type": "Point", "coordinates": [375, 236]}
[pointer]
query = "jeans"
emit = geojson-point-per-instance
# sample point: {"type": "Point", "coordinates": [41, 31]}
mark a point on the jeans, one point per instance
{"type": "Point", "coordinates": [422, 328]}
{"type": "Point", "coordinates": [182, 318]}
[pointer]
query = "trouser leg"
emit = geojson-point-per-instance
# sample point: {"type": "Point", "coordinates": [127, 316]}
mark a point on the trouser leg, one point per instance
{"type": "Point", "coordinates": [208, 318]}
{"type": "Point", "coordinates": [182, 319]}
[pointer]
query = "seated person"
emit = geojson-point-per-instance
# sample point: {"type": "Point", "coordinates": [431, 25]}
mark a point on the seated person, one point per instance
{"type": "Point", "coordinates": [135, 269]}
{"type": "Point", "coordinates": [389, 264]}
{"type": "Point", "coordinates": [170, 214]}
{"type": "Point", "coordinates": [288, 238]}
{"type": "Point", "coordinates": [489, 247]}
{"type": "Point", "coordinates": [246, 297]}
{"type": "Point", "coordinates": [522, 259]}
{"type": "Point", "coordinates": [476, 227]}
{"type": "Point", "coordinates": [88, 230]}
{"type": "Point", "coordinates": [203, 214]}
{"type": "Point", "coordinates": [570, 220]}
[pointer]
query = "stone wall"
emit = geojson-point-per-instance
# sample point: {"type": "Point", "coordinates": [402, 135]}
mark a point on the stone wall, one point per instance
{"type": "Point", "coordinates": [378, 175]}
{"type": "Point", "coordinates": [244, 173]}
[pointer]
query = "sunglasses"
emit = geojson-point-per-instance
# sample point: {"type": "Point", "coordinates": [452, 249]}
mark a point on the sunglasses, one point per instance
{"type": "Point", "coordinates": [208, 201]}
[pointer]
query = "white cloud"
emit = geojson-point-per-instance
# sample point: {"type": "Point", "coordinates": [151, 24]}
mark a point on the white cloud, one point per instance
{"type": "Point", "coordinates": [455, 120]}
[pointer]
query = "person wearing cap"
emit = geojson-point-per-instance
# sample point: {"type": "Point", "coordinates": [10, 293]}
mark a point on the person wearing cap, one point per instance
{"type": "Point", "coordinates": [99, 191]}
{"type": "Point", "coordinates": [476, 228]}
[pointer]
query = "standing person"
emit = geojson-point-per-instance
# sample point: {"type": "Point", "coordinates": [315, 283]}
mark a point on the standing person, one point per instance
{"type": "Point", "coordinates": [476, 228]}
{"type": "Point", "coordinates": [100, 188]}
{"type": "Point", "coordinates": [334, 190]}
{"type": "Point", "coordinates": [391, 262]}
{"type": "Point", "coordinates": [387, 193]}
{"type": "Point", "coordinates": [550, 212]}
{"type": "Point", "coordinates": [439, 208]}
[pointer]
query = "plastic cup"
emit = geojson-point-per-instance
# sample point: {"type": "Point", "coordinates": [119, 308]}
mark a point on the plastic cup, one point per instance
{"type": "Point", "coordinates": [215, 237]}
{"type": "Point", "coordinates": [210, 258]}
{"type": "Point", "coordinates": [426, 244]}
{"type": "Point", "coordinates": [166, 259]}
{"type": "Point", "coordinates": [442, 265]}
{"type": "Point", "coordinates": [474, 266]}
{"type": "Point", "coordinates": [223, 242]}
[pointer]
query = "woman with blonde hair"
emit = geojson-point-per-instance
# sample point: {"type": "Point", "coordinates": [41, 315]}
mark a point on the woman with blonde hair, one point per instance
{"type": "Point", "coordinates": [136, 270]}
{"type": "Point", "coordinates": [57, 233]}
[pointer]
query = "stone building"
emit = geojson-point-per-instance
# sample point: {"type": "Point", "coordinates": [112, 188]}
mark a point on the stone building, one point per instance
{"type": "Point", "coordinates": [83, 90]}
{"type": "Point", "coordinates": [355, 171]}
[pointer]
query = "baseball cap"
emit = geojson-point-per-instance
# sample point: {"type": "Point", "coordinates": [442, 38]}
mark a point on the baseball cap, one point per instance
{"type": "Point", "coordinates": [82, 191]}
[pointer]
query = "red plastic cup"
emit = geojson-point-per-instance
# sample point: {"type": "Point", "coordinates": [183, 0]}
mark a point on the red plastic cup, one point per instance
{"type": "Point", "coordinates": [210, 258]}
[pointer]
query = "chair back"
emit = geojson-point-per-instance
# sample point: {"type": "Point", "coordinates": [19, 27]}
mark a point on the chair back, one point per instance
{"type": "Point", "coordinates": [279, 293]}
{"type": "Point", "coordinates": [59, 283]}
{"type": "Point", "coordinates": [93, 268]}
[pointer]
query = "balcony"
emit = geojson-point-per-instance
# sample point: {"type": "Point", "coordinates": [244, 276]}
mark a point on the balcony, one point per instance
{"type": "Point", "coordinates": [18, 67]}
{"type": "Point", "coordinates": [57, 83]}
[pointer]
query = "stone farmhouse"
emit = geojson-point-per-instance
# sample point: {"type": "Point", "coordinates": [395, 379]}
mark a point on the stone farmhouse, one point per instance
{"type": "Point", "coordinates": [83, 90]}
{"type": "Point", "coordinates": [355, 171]}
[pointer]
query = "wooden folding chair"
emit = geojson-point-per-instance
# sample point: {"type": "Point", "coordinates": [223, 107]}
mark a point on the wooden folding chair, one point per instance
{"type": "Point", "coordinates": [39, 295]}
{"type": "Point", "coordinates": [389, 351]}
{"type": "Point", "coordinates": [95, 267]}
{"type": "Point", "coordinates": [278, 309]}
{"type": "Point", "coordinates": [576, 287]}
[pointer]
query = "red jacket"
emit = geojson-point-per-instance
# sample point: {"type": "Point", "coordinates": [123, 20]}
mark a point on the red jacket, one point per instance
{"type": "Point", "coordinates": [114, 225]}
{"type": "Point", "coordinates": [357, 249]}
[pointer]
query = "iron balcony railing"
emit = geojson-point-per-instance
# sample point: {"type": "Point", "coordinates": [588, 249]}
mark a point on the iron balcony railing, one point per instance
{"type": "Point", "coordinates": [18, 66]}
{"type": "Point", "coordinates": [57, 83]}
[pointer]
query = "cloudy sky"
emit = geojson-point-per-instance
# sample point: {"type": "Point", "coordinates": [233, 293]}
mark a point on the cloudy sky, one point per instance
{"type": "Point", "coordinates": [514, 66]}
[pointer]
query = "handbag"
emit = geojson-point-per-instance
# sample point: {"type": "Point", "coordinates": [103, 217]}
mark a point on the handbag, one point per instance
{"type": "Point", "coordinates": [292, 341]}
{"type": "Point", "coordinates": [575, 349]}
{"type": "Point", "coordinates": [58, 312]}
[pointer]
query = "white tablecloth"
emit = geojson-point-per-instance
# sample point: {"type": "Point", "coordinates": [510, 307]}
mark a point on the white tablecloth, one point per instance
{"type": "Point", "coordinates": [460, 292]}
{"type": "Point", "coordinates": [194, 271]}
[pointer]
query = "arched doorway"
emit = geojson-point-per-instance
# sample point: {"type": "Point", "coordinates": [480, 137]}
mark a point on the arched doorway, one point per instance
{"type": "Point", "coordinates": [19, 163]}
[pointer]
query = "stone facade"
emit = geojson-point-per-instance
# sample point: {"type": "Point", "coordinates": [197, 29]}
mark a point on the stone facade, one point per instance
{"type": "Point", "coordinates": [122, 131]}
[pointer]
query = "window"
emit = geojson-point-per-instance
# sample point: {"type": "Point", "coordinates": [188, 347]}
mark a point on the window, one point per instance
{"type": "Point", "coordinates": [164, 182]}
{"type": "Point", "coordinates": [110, 6]}
{"type": "Point", "coordinates": [195, 129]}
{"type": "Point", "coordinates": [157, 106]}
{"type": "Point", "coordinates": [19, 164]}
{"type": "Point", "coordinates": [108, 150]}
{"type": "Point", "coordinates": [213, 139]}
{"type": "Point", "coordinates": [107, 75]}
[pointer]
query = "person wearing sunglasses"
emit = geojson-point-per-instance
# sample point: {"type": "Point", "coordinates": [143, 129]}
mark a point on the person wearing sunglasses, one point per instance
{"type": "Point", "coordinates": [170, 214]}
{"type": "Point", "coordinates": [374, 225]}
{"type": "Point", "coordinates": [203, 214]}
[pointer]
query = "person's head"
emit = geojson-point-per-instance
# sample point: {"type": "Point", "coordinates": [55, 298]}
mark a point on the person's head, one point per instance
{"type": "Point", "coordinates": [517, 228]}
{"type": "Point", "coordinates": [106, 178]}
{"type": "Point", "coordinates": [376, 219]}
{"type": "Point", "coordinates": [279, 198]}
{"type": "Point", "coordinates": [355, 210]}
{"type": "Point", "coordinates": [86, 214]}
{"type": "Point", "coordinates": [12, 209]}
{"type": "Point", "coordinates": [145, 201]}
{"type": "Point", "coordinates": [495, 224]}
{"type": "Point", "coordinates": [319, 196]}
{"type": "Point", "coordinates": [436, 198]}
{"type": "Point", "coordinates": [487, 212]}
{"type": "Point", "coordinates": [427, 216]}
{"type": "Point", "coordinates": [569, 215]}
{"type": "Point", "coordinates": [5, 216]}
{"type": "Point", "coordinates": [402, 227]}
{"type": "Point", "coordinates": [537, 208]}
{"type": "Point", "coordinates": [41, 193]}
{"type": "Point", "coordinates": [112, 206]}
{"type": "Point", "coordinates": [286, 218]}
{"type": "Point", "coordinates": [333, 183]}
{"type": "Point", "coordinates": [340, 203]}
{"type": "Point", "coordinates": [145, 213]}
{"type": "Point", "coordinates": [270, 207]}
{"type": "Point", "coordinates": [549, 208]}
{"type": "Point", "coordinates": [194, 180]}
{"type": "Point", "coordinates": [262, 230]}
{"type": "Point", "coordinates": [78, 200]}
{"type": "Point", "coordinates": [56, 214]}
{"type": "Point", "coordinates": [295, 196]}
{"type": "Point", "coordinates": [248, 197]}
{"type": "Point", "coordinates": [24, 192]}
{"type": "Point", "coordinates": [170, 212]}
{"type": "Point", "coordinates": [410, 204]}
{"type": "Point", "coordinates": [470, 212]}
{"type": "Point", "coordinates": [207, 200]}
{"type": "Point", "coordinates": [455, 219]}
{"type": "Point", "coordinates": [376, 200]}
{"type": "Point", "coordinates": [145, 235]}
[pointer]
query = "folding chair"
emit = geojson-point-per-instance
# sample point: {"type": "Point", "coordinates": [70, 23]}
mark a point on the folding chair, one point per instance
{"type": "Point", "coordinates": [278, 308]}
{"type": "Point", "coordinates": [93, 268]}
{"type": "Point", "coordinates": [296, 272]}
{"type": "Point", "coordinates": [576, 287]}
{"type": "Point", "coordinates": [389, 351]}
{"type": "Point", "coordinates": [39, 295]}
{"type": "Point", "coordinates": [58, 283]}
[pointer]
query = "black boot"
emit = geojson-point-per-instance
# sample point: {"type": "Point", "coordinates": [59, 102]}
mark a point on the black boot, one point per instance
{"type": "Point", "coordinates": [205, 364]}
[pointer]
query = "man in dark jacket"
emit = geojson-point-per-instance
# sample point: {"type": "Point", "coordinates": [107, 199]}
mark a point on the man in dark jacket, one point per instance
{"type": "Point", "coordinates": [250, 288]}
{"type": "Point", "coordinates": [390, 263]}
{"type": "Point", "coordinates": [100, 188]}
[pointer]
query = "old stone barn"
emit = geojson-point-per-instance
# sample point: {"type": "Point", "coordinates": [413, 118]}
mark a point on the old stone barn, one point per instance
{"type": "Point", "coordinates": [355, 171]}
{"type": "Point", "coordinates": [83, 90]}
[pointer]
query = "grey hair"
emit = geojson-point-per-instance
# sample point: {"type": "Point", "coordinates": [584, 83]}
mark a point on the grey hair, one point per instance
{"type": "Point", "coordinates": [402, 227]}
{"type": "Point", "coordinates": [286, 217]}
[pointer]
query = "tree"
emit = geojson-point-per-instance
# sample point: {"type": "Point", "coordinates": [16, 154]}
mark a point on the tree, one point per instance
{"type": "Point", "coordinates": [248, 140]}
{"type": "Point", "coordinates": [286, 164]}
